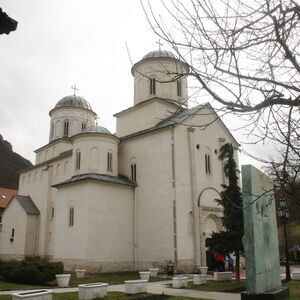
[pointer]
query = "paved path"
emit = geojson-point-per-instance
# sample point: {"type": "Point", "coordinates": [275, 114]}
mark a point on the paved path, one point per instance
{"type": "Point", "coordinates": [158, 287]}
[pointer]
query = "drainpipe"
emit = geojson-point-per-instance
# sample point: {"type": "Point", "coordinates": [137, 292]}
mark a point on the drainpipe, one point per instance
{"type": "Point", "coordinates": [195, 208]}
{"type": "Point", "coordinates": [136, 230]}
{"type": "Point", "coordinates": [174, 198]}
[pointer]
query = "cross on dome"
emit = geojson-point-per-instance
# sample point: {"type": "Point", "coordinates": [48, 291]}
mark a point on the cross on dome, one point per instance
{"type": "Point", "coordinates": [75, 89]}
{"type": "Point", "coordinates": [159, 44]}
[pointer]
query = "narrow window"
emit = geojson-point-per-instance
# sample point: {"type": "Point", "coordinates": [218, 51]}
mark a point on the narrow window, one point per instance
{"type": "Point", "coordinates": [152, 86]}
{"type": "Point", "coordinates": [78, 159]}
{"type": "Point", "coordinates": [179, 88]}
{"type": "Point", "coordinates": [66, 128]}
{"type": "Point", "coordinates": [52, 212]}
{"type": "Point", "coordinates": [71, 216]}
{"type": "Point", "coordinates": [52, 131]}
{"type": "Point", "coordinates": [83, 126]}
{"type": "Point", "coordinates": [13, 233]}
{"type": "Point", "coordinates": [133, 172]}
{"type": "Point", "coordinates": [109, 161]}
{"type": "Point", "coordinates": [207, 164]}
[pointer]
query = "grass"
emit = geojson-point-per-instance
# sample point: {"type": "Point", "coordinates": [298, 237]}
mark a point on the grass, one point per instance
{"type": "Point", "coordinates": [110, 296]}
{"type": "Point", "coordinates": [294, 287]}
{"type": "Point", "coordinates": [219, 286]}
{"type": "Point", "coordinates": [110, 278]}
{"type": "Point", "coordinates": [8, 286]}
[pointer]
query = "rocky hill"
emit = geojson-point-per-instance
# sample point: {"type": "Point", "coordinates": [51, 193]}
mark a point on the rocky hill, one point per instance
{"type": "Point", "coordinates": [10, 164]}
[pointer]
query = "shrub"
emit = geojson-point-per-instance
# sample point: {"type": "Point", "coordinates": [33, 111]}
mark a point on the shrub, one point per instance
{"type": "Point", "coordinates": [31, 270]}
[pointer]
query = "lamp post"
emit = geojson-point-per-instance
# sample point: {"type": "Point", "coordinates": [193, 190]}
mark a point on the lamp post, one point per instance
{"type": "Point", "coordinates": [283, 213]}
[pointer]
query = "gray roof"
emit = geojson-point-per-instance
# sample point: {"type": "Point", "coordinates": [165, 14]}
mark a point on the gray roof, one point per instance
{"type": "Point", "coordinates": [96, 128]}
{"type": "Point", "coordinates": [28, 205]}
{"type": "Point", "coordinates": [159, 53]}
{"type": "Point", "coordinates": [176, 118]}
{"type": "Point", "coordinates": [73, 101]}
{"type": "Point", "coordinates": [177, 103]}
{"type": "Point", "coordinates": [97, 177]}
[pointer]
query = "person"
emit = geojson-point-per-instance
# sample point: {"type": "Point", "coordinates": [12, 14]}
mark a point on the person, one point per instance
{"type": "Point", "coordinates": [220, 262]}
{"type": "Point", "coordinates": [230, 263]}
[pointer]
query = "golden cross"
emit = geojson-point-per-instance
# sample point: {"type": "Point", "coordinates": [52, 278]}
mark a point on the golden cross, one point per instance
{"type": "Point", "coordinates": [159, 44]}
{"type": "Point", "coordinates": [75, 89]}
{"type": "Point", "coordinates": [96, 119]}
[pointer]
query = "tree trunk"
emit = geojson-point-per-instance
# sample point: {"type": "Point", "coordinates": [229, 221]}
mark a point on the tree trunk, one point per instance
{"type": "Point", "coordinates": [237, 266]}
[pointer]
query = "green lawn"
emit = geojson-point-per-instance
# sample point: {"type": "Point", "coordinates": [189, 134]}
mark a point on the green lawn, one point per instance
{"type": "Point", "coordinates": [294, 287]}
{"type": "Point", "coordinates": [110, 296]}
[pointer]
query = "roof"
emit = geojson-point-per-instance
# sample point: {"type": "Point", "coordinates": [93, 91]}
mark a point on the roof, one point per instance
{"type": "Point", "coordinates": [174, 119]}
{"type": "Point", "coordinates": [27, 204]}
{"type": "Point", "coordinates": [96, 128]}
{"type": "Point", "coordinates": [177, 118]}
{"type": "Point", "coordinates": [73, 101]}
{"type": "Point", "coordinates": [97, 177]}
{"type": "Point", "coordinates": [159, 53]}
{"type": "Point", "coordinates": [178, 104]}
{"type": "Point", "coordinates": [6, 195]}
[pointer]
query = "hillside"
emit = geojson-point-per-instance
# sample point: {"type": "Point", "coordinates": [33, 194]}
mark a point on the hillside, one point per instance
{"type": "Point", "coordinates": [10, 164]}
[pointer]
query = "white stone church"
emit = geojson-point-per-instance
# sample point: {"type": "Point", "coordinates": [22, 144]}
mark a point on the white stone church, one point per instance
{"type": "Point", "coordinates": [130, 200]}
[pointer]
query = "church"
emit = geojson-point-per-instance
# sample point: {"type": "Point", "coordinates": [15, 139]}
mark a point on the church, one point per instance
{"type": "Point", "coordinates": [129, 200]}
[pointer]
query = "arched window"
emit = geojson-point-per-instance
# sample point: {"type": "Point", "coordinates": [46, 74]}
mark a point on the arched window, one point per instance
{"type": "Point", "coordinates": [51, 131]}
{"type": "Point", "coordinates": [71, 216]}
{"type": "Point", "coordinates": [179, 88]}
{"type": "Point", "coordinates": [66, 128]}
{"type": "Point", "coordinates": [207, 163]}
{"type": "Point", "coordinates": [109, 161]}
{"type": "Point", "coordinates": [133, 172]}
{"type": "Point", "coordinates": [152, 86]}
{"type": "Point", "coordinates": [78, 160]}
{"type": "Point", "coordinates": [83, 125]}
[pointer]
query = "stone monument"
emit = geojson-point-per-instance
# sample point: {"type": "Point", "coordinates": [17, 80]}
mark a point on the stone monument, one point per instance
{"type": "Point", "coordinates": [260, 237]}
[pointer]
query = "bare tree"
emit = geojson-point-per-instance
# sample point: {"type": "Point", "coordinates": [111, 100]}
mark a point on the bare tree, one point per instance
{"type": "Point", "coordinates": [244, 56]}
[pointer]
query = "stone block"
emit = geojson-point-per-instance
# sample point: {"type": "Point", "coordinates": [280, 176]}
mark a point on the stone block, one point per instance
{"type": "Point", "coordinates": [33, 295]}
{"type": "Point", "coordinates": [222, 276]}
{"type": "Point", "coordinates": [63, 279]}
{"type": "Point", "coordinates": [80, 273]}
{"type": "Point", "coordinates": [145, 275]}
{"type": "Point", "coordinates": [135, 286]}
{"type": "Point", "coordinates": [153, 272]}
{"type": "Point", "coordinates": [200, 279]}
{"type": "Point", "coordinates": [296, 275]}
{"type": "Point", "coordinates": [92, 290]}
{"type": "Point", "coordinates": [179, 282]}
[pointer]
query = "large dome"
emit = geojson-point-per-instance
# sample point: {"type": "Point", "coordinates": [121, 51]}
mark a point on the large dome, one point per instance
{"type": "Point", "coordinates": [159, 53]}
{"type": "Point", "coordinates": [97, 129]}
{"type": "Point", "coordinates": [75, 101]}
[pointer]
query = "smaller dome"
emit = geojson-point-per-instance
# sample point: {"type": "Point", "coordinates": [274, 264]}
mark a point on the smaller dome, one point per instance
{"type": "Point", "coordinates": [76, 101]}
{"type": "Point", "coordinates": [159, 53]}
{"type": "Point", "coordinates": [96, 128]}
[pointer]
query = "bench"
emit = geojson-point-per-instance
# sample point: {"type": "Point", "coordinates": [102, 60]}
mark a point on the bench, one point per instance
{"type": "Point", "coordinates": [222, 276]}
{"type": "Point", "coordinates": [92, 290]}
{"type": "Point", "coordinates": [179, 282]}
{"type": "Point", "coordinates": [153, 272]}
{"type": "Point", "coordinates": [40, 295]}
{"type": "Point", "coordinates": [135, 286]}
{"type": "Point", "coordinates": [200, 279]}
{"type": "Point", "coordinates": [145, 275]}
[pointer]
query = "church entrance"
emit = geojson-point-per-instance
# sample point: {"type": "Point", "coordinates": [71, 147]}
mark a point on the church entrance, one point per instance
{"type": "Point", "coordinates": [210, 259]}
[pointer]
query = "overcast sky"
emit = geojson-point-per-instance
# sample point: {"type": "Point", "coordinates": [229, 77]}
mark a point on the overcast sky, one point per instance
{"type": "Point", "coordinates": [59, 43]}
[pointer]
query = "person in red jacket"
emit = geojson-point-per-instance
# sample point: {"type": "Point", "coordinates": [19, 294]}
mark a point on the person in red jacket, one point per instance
{"type": "Point", "coordinates": [220, 262]}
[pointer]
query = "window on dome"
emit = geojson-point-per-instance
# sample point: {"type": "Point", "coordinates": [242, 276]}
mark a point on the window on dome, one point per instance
{"type": "Point", "coordinates": [52, 131]}
{"type": "Point", "coordinates": [83, 126]}
{"type": "Point", "coordinates": [71, 216]}
{"type": "Point", "coordinates": [179, 88]}
{"type": "Point", "coordinates": [78, 159]}
{"type": "Point", "coordinates": [152, 86]}
{"type": "Point", "coordinates": [133, 172]}
{"type": "Point", "coordinates": [109, 161]}
{"type": "Point", "coordinates": [66, 128]}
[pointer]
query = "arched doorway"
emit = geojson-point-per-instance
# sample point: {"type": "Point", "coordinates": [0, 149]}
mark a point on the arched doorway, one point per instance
{"type": "Point", "coordinates": [211, 224]}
